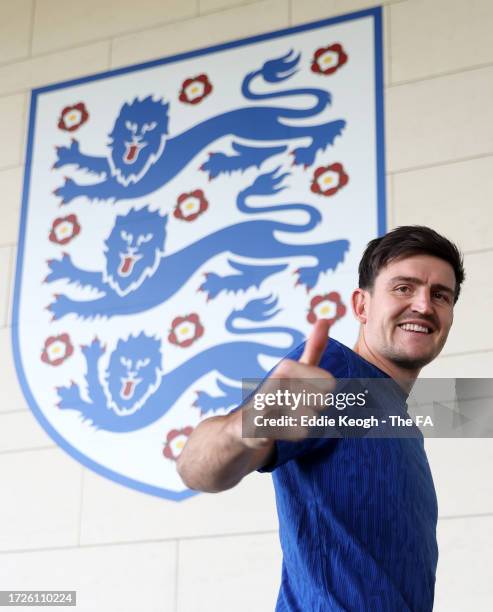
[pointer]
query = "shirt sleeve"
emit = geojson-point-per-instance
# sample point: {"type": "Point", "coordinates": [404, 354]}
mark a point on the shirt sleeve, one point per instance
{"type": "Point", "coordinates": [285, 451]}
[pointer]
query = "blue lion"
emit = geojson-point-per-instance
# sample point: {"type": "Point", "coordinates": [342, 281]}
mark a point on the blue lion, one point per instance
{"type": "Point", "coordinates": [135, 392]}
{"type": "Point", "coordinates": [138, 276]}
{"type": "Point", "coordinates": [141, 149]}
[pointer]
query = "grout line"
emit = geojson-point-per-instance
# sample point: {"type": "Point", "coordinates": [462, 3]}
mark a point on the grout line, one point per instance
{"type": "Point", "coordinates": [345, 11]}
{"type": "Point", "coordinates": [461, 354]}
{"type": "Point", "coordinates": [177, 560]}
{"type": "Point", "coordinates": [229, 7]}
{"type": "Point", "coordinates": [11, 166]}
{"type": "Point", "coordinates": [440, 75]}
{"type": "Point", "coordinates": [88, 43]}
{"type": "Point", "coordinates": [445, 162]}
{"type": "Point", "coordinates": [111, 39]}
{"type": "Point", "coordinates": [132, 542]}
{"type": "Point", "coordinates": [478, 251]}
{"type": "Point", "coordinates": [154, 26]}
{"type": "Point", "coordinates": [465, 516]}
{"type": "Point", "coordinates": [116, 35]}
{"type": "Point", "coordinates": [15, 411]}
{"type": "Point", "coordinates": [224, 9]}
{"type": "Point", "coordinates": [25, 450]}
{"type": "Point", "coordinates": [201, 537]}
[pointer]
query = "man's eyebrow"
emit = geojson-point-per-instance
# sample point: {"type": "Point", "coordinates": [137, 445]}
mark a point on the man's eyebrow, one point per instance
{"type": "Point", "coordinates": [418, 281]}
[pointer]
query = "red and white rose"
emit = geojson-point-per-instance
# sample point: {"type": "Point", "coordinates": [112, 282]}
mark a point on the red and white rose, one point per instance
{"type": "Point", "coordinates": [175, 441]}
{"type": "Point", "coordinates": [72, 117]}
{"type": "Point", "coordinates": [185, 330]}
{"type": "Point", "coordinates": [64, 229]}
{"type": "Point", "coordinates": [57, 349]}
{"type": "Point", "coordinates": [327, 180]}
{"type": "Point", "coordinates": [327, 60]}
{"type": "Point", "coordinates": [194, 90]}
{"type": "Point", "coordinates": [191, 205]}
{"type": "Point", "coordinates": [328, 306]}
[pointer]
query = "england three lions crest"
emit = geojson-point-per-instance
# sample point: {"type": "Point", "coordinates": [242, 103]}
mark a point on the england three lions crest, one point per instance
{"type": "Point", "coordinates": [185, 223]}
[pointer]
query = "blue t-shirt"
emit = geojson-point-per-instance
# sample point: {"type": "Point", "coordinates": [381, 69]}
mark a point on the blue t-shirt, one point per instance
{"type": "Point", "coordinates": [357, 516]}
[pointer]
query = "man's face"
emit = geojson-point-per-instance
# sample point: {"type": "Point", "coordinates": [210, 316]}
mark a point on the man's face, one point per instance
{"type": "Point", "coordinates": [410, 310]}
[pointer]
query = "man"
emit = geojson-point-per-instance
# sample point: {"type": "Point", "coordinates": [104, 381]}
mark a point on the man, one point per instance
{"type": "Point", "coordinates": [357, 517]}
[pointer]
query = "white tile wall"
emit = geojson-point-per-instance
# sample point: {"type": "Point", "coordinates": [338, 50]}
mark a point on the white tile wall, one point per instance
{"type": "Point", "coordinates": [464, 567]}
{"type": "Point", "coordinates": [59, 24]}
{"type": "Point", "coordinates": [471, 365]}
{"type": "Point", "coordinates": [10, 190]}
{"type": "Point", "coordinates": [440, 150]}
{"type": "Point", "coordinates": [109, 511]}
{"type": "Point", "coordinates": [13, 264]}
{"type": "Point", "coordinates": [250, 565]}
{"type": "Point", "coordinates": [471, 330]}
{"type": "Point", "coordinates": [200, 32]}
{"type": "Point", "coordinates": [120, 578]}
{"type": "Point", "coordinates": [11, 397]}
{"type": "Point", "coordinates": [12, 128]}
{"type": "Point", "coordinates": [15, 30]}
{"type": "Point", "coordinates": [455, 199]}
{"type": "Point", "coordinates": [461, 471]}
{"type": "Point", "coordinates": [5, 256]}
{"type": "Point", "coordinates": [40, 506]}
{"type": "Point", "coordinates": [440, 120]}
{"type": "Point", "coordinates": [449, 36]}
{"type": "Point", "coordinates": [54, 67]}
{"type": "Point", "coordinates": [309, 10]}
{"type": "Point", "coordinates": [21, 431]}
{"type": "Point", "coordinates": [208, 6]}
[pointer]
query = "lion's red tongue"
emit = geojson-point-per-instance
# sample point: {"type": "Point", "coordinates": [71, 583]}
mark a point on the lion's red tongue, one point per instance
{"type": "Point", "coordinates": [128, 389]}
{"type": "Point", "coordinates": [126, 266]}
{"type": "Point", "coordinates": [131, 153]}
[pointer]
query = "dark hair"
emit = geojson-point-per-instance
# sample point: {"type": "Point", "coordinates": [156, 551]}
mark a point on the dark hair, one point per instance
{"type": "Point", "coordinates": [405, 241]}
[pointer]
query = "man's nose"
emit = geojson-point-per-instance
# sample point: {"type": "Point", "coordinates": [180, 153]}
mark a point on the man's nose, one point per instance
{"type": "Point", "coordinates": [422, 302]}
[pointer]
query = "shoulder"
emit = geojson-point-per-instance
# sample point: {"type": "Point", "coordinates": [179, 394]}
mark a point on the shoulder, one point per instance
{"type": "Point", "coordinates": [342, 362]}
{"type": "Point", "coordinates": [335, 359]}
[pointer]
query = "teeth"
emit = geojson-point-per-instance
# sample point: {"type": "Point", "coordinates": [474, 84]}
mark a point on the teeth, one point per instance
{"type": "Point", "coordinates": [414, 327]}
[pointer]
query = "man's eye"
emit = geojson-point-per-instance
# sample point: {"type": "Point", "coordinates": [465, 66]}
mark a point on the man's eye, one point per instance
{"type": "Point", "coordinates": [402, 289]}
{"type": "Point", "coordinates": [441, 296]}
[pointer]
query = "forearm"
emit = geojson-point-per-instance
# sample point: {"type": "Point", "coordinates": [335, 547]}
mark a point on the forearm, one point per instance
{"type": "Point", "coordinates": [216, 458]}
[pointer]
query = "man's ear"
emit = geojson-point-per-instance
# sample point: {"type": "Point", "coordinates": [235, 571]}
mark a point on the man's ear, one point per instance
{"type": "Point", "coordinates": [359, 301]}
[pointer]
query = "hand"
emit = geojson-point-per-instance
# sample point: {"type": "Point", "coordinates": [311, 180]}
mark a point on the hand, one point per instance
{"type": "Point", "coordinates": [307, 364]}
{"type": "Point", "coordinates": [298, 377]}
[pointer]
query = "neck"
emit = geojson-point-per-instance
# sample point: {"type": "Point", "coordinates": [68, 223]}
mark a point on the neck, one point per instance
{"type": "Point", "coordinates": [404, 377]}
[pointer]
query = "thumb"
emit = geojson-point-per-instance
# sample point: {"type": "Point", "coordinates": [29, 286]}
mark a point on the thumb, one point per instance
{"type": "Point", "coordinates": [316, 343]}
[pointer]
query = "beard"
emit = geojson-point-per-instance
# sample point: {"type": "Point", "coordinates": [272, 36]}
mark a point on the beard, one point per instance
{"type": "Point", "coordinates": [411, 362]}
{"type": "Point", "coordinates": [407, 362]}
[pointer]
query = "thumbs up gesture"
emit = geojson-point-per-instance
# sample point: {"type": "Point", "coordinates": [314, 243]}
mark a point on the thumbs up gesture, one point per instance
{"type": "Point", "coordinates": [314, 349]}
{"type": "Point", "coordinates": [290, 379]}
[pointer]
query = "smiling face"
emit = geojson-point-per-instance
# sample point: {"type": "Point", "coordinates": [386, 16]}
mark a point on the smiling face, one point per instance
{"type": "Point", "coordinates": [407, 315]}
